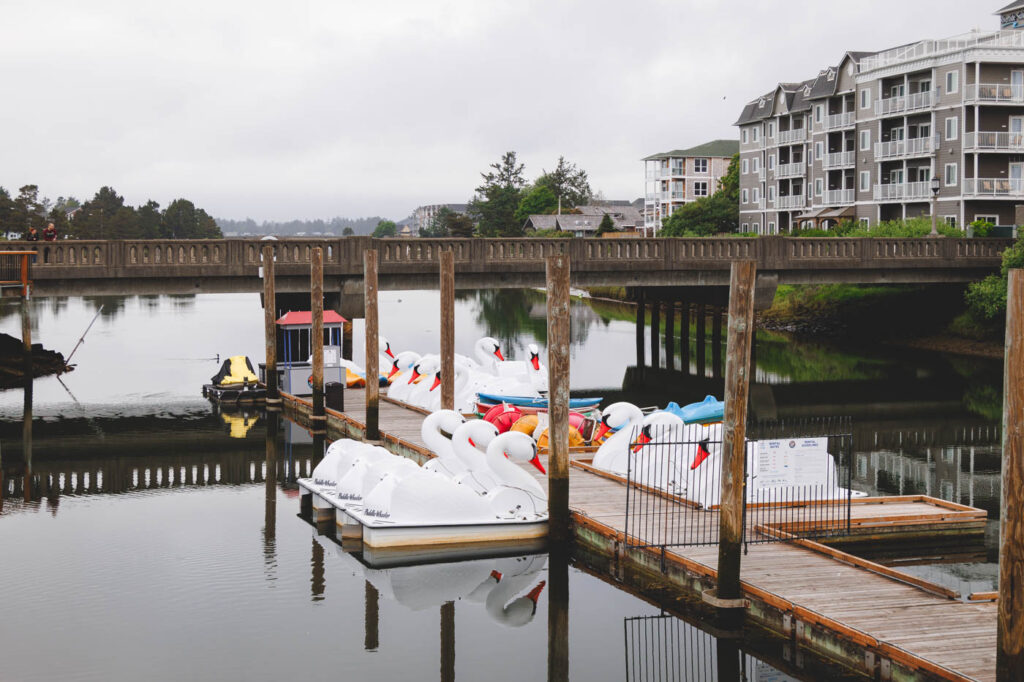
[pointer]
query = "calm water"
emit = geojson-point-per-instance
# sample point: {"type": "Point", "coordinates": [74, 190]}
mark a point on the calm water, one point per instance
{"type": "Point", "coordinates": [152, 573]}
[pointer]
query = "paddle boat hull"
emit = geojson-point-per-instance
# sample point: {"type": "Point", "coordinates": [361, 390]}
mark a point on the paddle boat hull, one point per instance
{"type": "Point", "coordinates": [534, 403]}
{"type": "Point", "coordinates": [462, 534]}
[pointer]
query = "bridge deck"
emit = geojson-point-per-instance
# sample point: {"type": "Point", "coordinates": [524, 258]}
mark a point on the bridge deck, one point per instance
{"type": "Point", "coordinates": [921, 627]}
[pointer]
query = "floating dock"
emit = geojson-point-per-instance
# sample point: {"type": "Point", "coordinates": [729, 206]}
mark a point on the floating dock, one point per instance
{"type": "Point", "coordinates": [874, 619]}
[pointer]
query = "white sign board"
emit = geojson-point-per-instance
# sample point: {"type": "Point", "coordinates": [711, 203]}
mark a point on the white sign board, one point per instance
{"type": "Point", "coordinates": [792, 462]}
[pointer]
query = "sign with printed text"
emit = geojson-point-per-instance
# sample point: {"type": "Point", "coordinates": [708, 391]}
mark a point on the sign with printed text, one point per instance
{"type": "Point", "coordinates": [791, 462]}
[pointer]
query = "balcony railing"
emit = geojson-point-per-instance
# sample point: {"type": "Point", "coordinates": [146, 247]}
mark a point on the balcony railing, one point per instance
{"type": "Point", "coordinates": [994, 187]}
{"type": "Point", "coordinates": [760, 175]}
{"type": "Point", "coordinates": [838, 197]}
{"type": "Point", "coordinates": [790, 170]}
{"type": "Point", "coordinates": [915, 146]}
{"type": "Point", "coordinates": [912, 102]}
{"type": "Point", "coordinates": [835, 121]}
{"type": "Point", "coordinates": [791, 136]}
{"type": "Point", "coordinates": [839, 160]}
{"type": "Point", "coordinates": [791, 201]}
{"type": "Point", "coordinates": [675, 170]}
{"type": "Point", "coordinates": [901, 191]}
{"type": "Point", "coordinates": [927, 48]}
{"type": "Point", "coordinates": [997, 142]}
{"type": "Point", "coordinates": [678, 195]}
{"type": "Point", "coordinates": [995, 92]}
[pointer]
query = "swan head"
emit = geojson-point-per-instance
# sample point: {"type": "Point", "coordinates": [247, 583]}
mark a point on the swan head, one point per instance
{"type": "Point", "coordinates": [518, 447]}
{"type": "Point", "coordinates": [661, 426]}
{"type": "Point", "coordinates": [617, 416]}
{"type": "Point", "coordinates": [405, 360]}
{"type": "Point", "coordinates": [444, 422]}
{"type": "Point", "coordinates": [385, 347]}
{"type": "Point", "coordinates": [534, 356]}
{"type": "Point", "coordinates": [426, 366]}
{"type": "Point", "coordinates": [476, 433]}
{"type": "Point", "coordinates": [490, 346]}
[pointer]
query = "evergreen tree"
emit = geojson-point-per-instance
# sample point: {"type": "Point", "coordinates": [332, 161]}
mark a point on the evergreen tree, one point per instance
{"type": "Point", "coordinates": [568, 182]}
{"type": "Point", "coordinates": [385, 228]}
{"type": "Point", "coordinates": [497, 199]}
{"type": "Point", "coordinates": [607, 225]}
{"type": "Point", "coordinates": [538, 201]}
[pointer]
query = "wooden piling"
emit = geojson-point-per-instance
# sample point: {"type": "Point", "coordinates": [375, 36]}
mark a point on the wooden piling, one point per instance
{"type": "Point", "coordinates": [26, 327]}
{"type": "Point", "coordinates": [447, 330]}
{"type": "Point", "coordinates": [1010, 633]}
{"type": "Point", "coordinates": [346, 340]}
{"type": "Point", "coordinates": [716, 341]}
{"type": "Point", "coordinates": [316, 336]}
{"type": "Point", "coordinates": [371, 618]}
{"type": "Point", "coordinates": [734, 426]}
{"type": "Point", "coordinates": [372, 331]}
{"type": "Point", "coordinates": [448, 641]}
{"type": "Point", "coordinates": [558, 398]}
{"type": "Point", "coordinates": [270, 324]}
{"type": "Point", "coordinates": [684, 336]}
{"type": "Point", "coordinates": [270, 489]}
{"type": "Point", "coordinates": [670, 335]}
{"type": "Point", "coordinates": [701, 339]}
{"type": "Point", "coordinates": [656, 333]}
{"type": "Point", "coordinates": [641, 322]}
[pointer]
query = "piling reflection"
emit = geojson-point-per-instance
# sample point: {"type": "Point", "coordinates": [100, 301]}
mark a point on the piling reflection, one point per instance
{"type": "Point", "coordinates": [558, 613]}
{"type": "Point", "coordinates": [270, 495]}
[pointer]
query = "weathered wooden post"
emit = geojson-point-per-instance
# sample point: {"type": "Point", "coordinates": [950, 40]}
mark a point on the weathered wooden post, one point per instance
{"type": "Point", "coordinates": [26, 328]}
{"type": "Point", "coordinates": [372, 331]}
{"type": "Point", "coordinates": [447, 331]}
{"type": "Point", "coordinates": [346, 339]}
{"type": "Point", "coordinates": [448, 640]}
{"type": "Point", "coordinates": [701, 338]}
{"type": "Point", "coordinates": [371, 618]}
{"type": "Point", "coordinates": [1010, 638]}
{"type": "Point", "coordinates": [656, 333]}
{"type": "Point", "coordinates": [641, 322]}
{"type": "Point", "coordinates": [670, 335]}
{"type": "Point", "coordinates": [558, 398]}
{"type": "Point", "coordinates": [270, 489]}
{"type": "Point", "coordinates": [734, 431]}
{"type": "Point", "coordinates": [316, 336]}
{"type": "Point", "coordinates": [684, 336]}
{"type": "Point", "coordinates": [26, 421]}
{"type": "Point", "coordinates": [716, 341]}
{"type": "Point", "coordinates": [270, 324]}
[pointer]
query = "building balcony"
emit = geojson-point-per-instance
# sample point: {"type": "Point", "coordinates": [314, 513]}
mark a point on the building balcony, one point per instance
{"type": "Point", "coordinates": [678, 195]}
{"type": "Point", "coordinates": [790, 202]}
{"type": "Point", "coordinates": [899, 105]}
{"type": "Point", "coordinates": [792, 136]}
{"type": "Point", "coordinates": [904, 191]}
{"type": "Point", "coordinates": [839, 197]}
{"type": "Point", "coordinates": [996, 93]}
{"type": "Point", "coordinates": [915, 146]}
{"type": "Point", "coordinates": [839, 160]}
{"type": "Point", "coordinates": [838, 121]}
{"type": "Point", "coordinates": [994, 187]}
{"type": "Point", "coordinates": [790, 170]}
{"type": "Point", "coordinates": [994, 142]}
{"type": "Point", "coordinates": [760, 175]}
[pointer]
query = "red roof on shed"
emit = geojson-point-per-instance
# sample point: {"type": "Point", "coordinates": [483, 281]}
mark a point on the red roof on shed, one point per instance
{"type": "Point", "coordinates": [304, 318]}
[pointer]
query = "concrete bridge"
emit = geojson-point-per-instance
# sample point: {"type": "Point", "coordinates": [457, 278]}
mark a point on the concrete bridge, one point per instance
{"type": "Point", "coordinates": [232, 265]}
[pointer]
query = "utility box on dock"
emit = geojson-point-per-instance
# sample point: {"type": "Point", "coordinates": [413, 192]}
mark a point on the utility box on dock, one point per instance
{"type": "Point", "coordinates": [334, 395]}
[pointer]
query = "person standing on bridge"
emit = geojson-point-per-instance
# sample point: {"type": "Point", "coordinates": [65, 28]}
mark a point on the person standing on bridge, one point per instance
{"type": "Point", "coordinates": [50, 233]}
{"type": "Point", "coordinates": [33, 235]}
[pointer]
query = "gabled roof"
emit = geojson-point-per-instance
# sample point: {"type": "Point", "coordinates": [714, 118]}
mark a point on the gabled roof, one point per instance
{"type": "Point", "coordinates": [1012, 6]}
{"type": "Point", "coordinates": [758, 109]}
{"type": "Point", "coordinates": [542, 222]}
{"type": "Point", "coordinates": [304, 318]}
{"type": "Point", "coordinates": [716, 148]}
{"type": "Point", "coordinates": [800, 97]}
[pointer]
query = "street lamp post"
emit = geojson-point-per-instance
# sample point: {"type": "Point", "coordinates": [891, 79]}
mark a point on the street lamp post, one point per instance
{"type": "Point", "coordinates": [935, 195]}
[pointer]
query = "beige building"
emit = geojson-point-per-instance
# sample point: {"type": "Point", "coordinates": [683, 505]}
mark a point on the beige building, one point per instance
{"type": "Point", "coordinates": [673, 179]}
{"type": "Point", "coordinates": [871, 138]}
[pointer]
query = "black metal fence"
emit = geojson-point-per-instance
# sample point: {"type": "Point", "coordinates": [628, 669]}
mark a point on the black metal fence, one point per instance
{"type": "Point", "coordinates": [797, 482]}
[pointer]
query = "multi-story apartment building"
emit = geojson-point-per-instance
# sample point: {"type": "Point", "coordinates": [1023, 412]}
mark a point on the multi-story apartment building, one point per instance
{"type": "Point", "coordinates": [425, 215]}
{"type": "Point", "coordinates": [675, 178]}
{"type": "Point", "coordinates": [863, 140]}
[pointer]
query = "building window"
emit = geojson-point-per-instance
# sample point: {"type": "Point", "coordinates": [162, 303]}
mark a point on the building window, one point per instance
{"type": "Point", "coordinates": [865, 140]}
{"type": "Point", "coordinates": [756, 227]}
{"type": "Point", "coordinates": [757, 164]}
{"type": "Point", "coordinates": [819, 186]}
{"type": "Point", "coordinates": [865, 181]}
{"type": "Point", "coordinates": [771, 129]}
{"type": "Point", "coordinates": [819, 150]}
{"type": "Point", "coordinates": [771, 228]}
{"type": "Point", "coordinates": [700, 165]}
{"type": "Point", "coordinates": [952, 126]}
{"type": "Point", "coordinates": [745, 197]}
{"type": "Point", "coordinates": [700, 189]}
{"type": "Point", "coordinates": [865, 222]}
{"type": "Point", "coordinates": [865, 98]}
{"type": "Point", "coordinates": [745, 166]}
{"type": "Point", "coordinates": [756, 196]}
{"type": "Point", "coordinates": [994, 219]}
{"type": "Point", "coordinates": [952, 82]}
{"type": "Point", "coordinates": [950, 174]}
{"type": "Point", "coordinates": [817, 113]}
{"type": "Point", "coordinates": [949, 220]}
{"type": "Point", "coordinates": [745, 137]}
{"type": "Point", "coordinates": [745, 227]}
{"type": "Point", "coordinates": [771, 194]}
{"type": "Point", "coordinates": [771, 162]}
{"type": "Point", "coordinates": [753, 134]}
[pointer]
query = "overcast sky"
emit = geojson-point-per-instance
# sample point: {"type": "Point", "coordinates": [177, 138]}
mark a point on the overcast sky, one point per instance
{"type": "Point", "coordinates": [279, 110]}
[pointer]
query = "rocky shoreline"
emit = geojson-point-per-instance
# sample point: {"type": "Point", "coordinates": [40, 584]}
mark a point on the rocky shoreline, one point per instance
{"type": "Point", "coordinates": [13, 365]}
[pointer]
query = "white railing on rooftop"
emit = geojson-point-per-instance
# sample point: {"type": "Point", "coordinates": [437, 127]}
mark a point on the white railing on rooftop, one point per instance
{"type": "Point", "coordinates": [844, 120]}
{"type": "Point", "coordinates": [790, 170]}
{"type": "Point", "coordinates": [994, 187]}
{"type": "Point", "coordinates": [838, 197]}
{"type": "Point", "coordinates": [791, 136]}
{"type": "Point", "coordinates": [911, 102]}
{"type": "Point", "coordinates": [905, 190]}
{"type": "Point", "coordinates": [995, 141]}
{"type": "Point", "coordinates": [839, 160]}
{"type": "Point", "coordinates": [915, 146]}
{"type": "Point", "coordinates": [930, 48]}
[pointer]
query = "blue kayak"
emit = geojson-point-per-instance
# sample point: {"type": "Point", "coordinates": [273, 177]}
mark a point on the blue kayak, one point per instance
{"type": "Point", "coordinates": [706, 411]}
{"type": "Point", "coordinates": [540, 403]}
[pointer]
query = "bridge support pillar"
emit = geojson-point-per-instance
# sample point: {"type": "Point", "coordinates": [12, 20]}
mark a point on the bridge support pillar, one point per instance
{"type": "Point", "coordinates": [656, 333]}
{"type": "Point", "coordinates": [670, 335]}
{"type": "Point", "coordinates": [702, 341]}
{"type": "Point", "coordinates": [684, 336]}
{"type": "Point", "coordinates": [641, 321]}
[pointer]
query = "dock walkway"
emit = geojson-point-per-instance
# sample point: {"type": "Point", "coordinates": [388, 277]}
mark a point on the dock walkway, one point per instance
{"type": "Point", "coordinates": [872, 618]}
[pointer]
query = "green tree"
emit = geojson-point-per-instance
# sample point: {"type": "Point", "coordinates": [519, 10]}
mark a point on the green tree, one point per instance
{"type": "Point", "coordinates": [91, 222]}
{"type": "Point", "coordinates": [385, 228]}
{"type": "Point", "coordinates": [709, 215]}
{"type": "Point", "coordinates": [27, 210]}
{"type": "Point", "coordinates": [568, 182]}
{"type": "Point", "coordinates": [460, 225]}
{"type": "Point", "coordinates": [182, 220]}
{"type": "Point", "coordinates": [7, 212]}
{"type": "Point", "coordinates": [538, 201]}
{"type": "Point", "coordinates": [607, 225]}
{"type": "Point", "coordinates": [987, 299]}
{"type": "Point", "coordinates": [497, 199]}
{"type": "Point", "coordinates": [150, 221]}
{"type": "Point", "coordinates": [438, 226]}
{"type": "Point", "coordinates": [347, 232]}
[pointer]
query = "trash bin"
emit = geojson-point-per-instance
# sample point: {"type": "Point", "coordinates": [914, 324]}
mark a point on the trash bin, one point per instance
{"type": "Point", "coordinates": [334, 395]}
